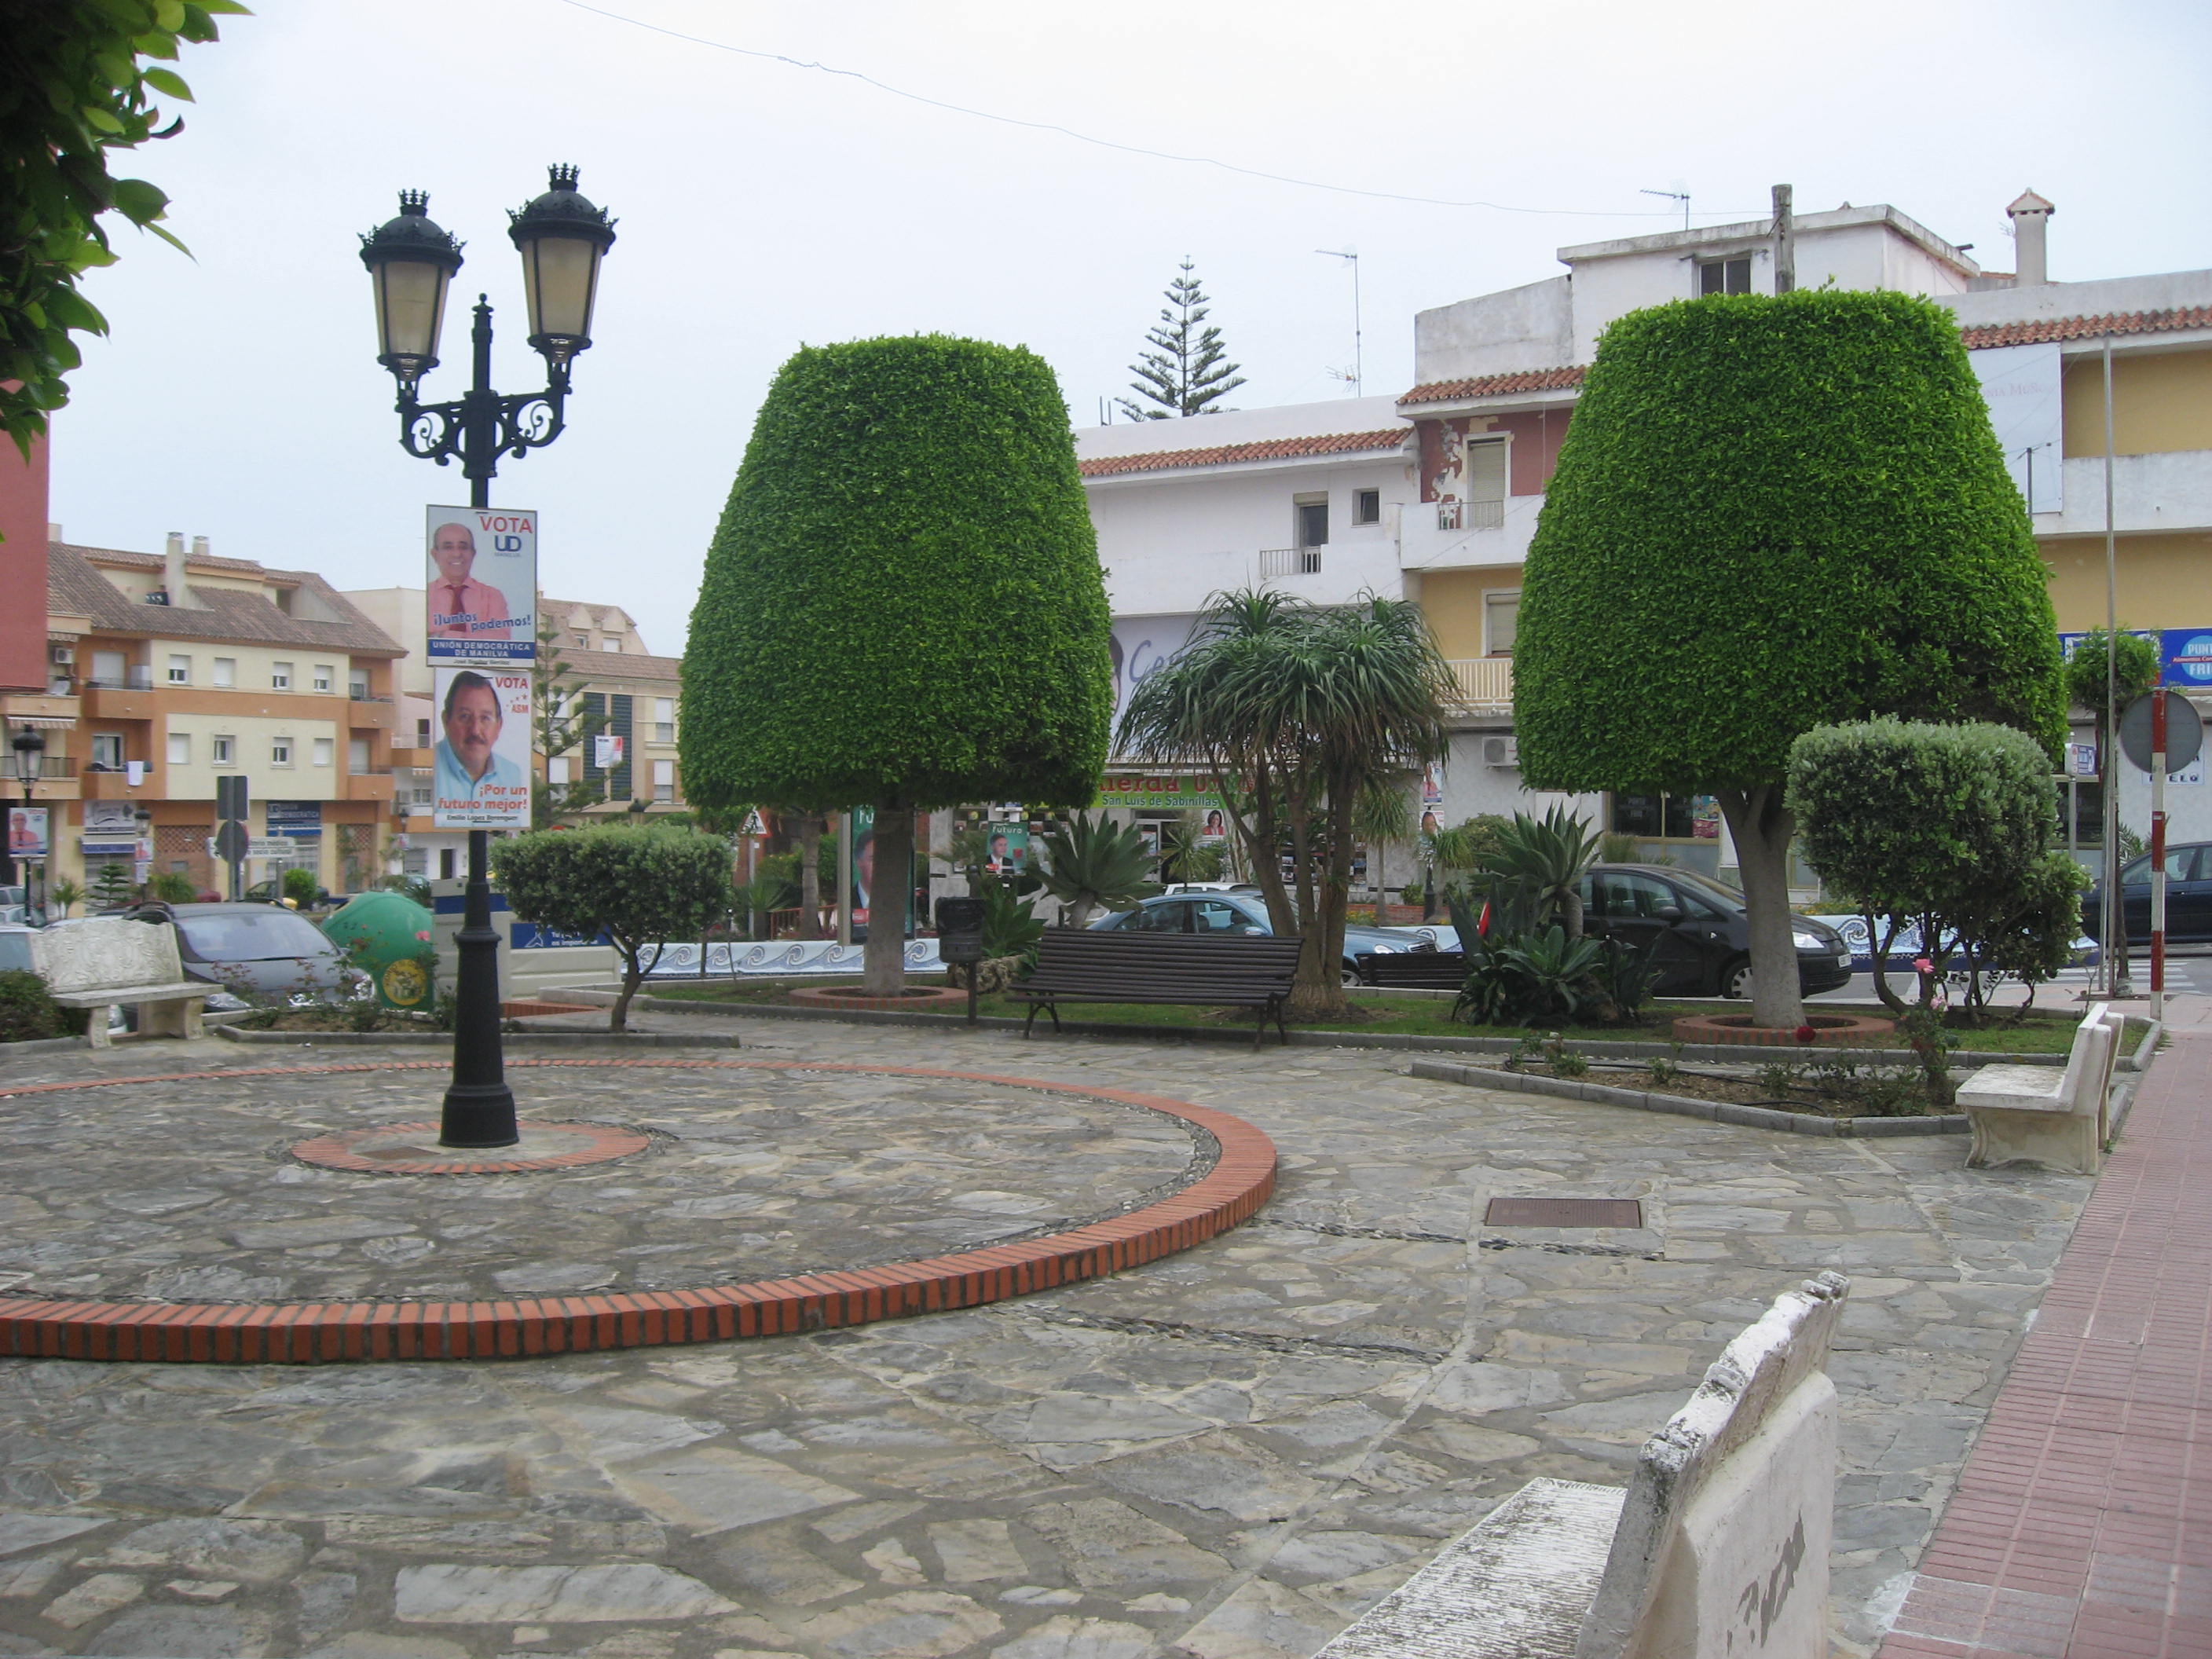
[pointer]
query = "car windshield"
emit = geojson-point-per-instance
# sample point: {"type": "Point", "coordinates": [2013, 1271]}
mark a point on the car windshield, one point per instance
{"type": "Point", "coordinates": [1725, 900]}
{"type": "Point", "coordinates": [251, 936]}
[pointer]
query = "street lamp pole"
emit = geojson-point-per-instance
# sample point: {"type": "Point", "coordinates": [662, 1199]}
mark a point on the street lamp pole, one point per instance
{"type": "Point", "coordinates": [561, 237]}
{"type": "Point", "coordinates": [29, 748]}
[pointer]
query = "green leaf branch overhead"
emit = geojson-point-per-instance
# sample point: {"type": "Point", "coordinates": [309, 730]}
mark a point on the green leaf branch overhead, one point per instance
{"type": "Point", "coordinates": [76, 89]}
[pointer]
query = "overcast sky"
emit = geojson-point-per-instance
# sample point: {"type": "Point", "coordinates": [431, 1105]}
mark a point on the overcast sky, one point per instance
{"type": "Point", "coordinates": [762, 206]}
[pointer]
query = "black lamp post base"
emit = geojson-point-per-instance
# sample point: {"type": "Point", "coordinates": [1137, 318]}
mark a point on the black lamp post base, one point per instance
{"type": "Point", "coordinates": [476, 1115]}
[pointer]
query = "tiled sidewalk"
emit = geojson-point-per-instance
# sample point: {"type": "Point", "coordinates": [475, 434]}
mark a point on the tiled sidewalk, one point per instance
{"type": "Point", "coordinates": [2083, 1524]}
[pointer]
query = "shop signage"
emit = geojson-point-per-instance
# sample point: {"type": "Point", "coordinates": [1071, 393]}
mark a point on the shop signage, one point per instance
{"type": "Point", "coordinates": [1155, 792]}
{"type": "Point", "coordinates": [303, 818]}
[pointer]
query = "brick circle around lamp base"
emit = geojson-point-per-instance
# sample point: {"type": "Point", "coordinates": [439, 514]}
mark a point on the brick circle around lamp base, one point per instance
{"type": "Point", "coordinates": [1819, 1030]}
{"type": "Point", "coordinates": [914, 999]}
{"type": "Point", "coordinates": [412, 1149]}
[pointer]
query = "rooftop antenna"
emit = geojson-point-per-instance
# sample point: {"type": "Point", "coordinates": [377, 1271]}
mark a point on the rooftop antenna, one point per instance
{"type": "Point", "coordinates": [1681, 196]}
{"type": "Point", "coordinates": [1352, 258]}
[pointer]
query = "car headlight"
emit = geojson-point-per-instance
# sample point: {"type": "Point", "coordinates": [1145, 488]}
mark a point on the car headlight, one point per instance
{"type": "Point", "coordinates": [1384, 951]}
{"type": "Point", "coordinates": [1811, 942]}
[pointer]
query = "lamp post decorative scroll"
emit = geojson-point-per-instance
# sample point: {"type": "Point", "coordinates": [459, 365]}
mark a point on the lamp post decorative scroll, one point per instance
{"type": "Point", "coordinates": [411, 261]}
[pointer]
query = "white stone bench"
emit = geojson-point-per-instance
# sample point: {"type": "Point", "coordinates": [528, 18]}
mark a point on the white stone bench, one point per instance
{"type": "Point", "coordinates": [101, 963]}
{"type": "Point", "coordinates": [1719, 1545]}
{"type": "Point", "coordinates": [2036, 1114]}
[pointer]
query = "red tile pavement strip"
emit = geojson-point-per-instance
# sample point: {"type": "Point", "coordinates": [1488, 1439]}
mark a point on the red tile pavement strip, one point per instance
{"type": "Point", "coordinates": [2081, 1525]}
{"type": "Point", "coordinates": [598, 1142]}
{"type": "Point", "coordinates": [309, 1332]}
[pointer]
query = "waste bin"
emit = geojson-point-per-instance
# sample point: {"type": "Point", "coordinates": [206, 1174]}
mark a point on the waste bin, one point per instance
{"type": "Point", "coordinates": [388, 936]}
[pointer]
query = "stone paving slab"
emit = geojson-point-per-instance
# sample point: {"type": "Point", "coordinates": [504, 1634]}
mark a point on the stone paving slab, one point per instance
{"type": "Point", "coordinates": [1226, 1454]}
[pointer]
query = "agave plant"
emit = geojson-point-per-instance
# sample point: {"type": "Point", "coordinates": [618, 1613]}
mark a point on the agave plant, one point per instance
{"type": "Point", "coordinates": [1552, 855]}
{"type": "Point", "coordinates": [1092, 862]}
{"type": "Point", "coordinates": [1011, 928]}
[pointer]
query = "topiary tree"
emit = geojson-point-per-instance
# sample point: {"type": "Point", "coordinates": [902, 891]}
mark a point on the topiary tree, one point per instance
{"type": "Point", "coordinates": [640, 886]}
{"type": "Point", "coordinates": [902, 605]}
{"type": "Point", "coordinates": [1937, 826]}
{"type": "Point", "coordinates": [1773, 514]}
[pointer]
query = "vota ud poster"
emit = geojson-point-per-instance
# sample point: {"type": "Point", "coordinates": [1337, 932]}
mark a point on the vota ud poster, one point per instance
{"type": "Point", "coordinates": [480, 584]}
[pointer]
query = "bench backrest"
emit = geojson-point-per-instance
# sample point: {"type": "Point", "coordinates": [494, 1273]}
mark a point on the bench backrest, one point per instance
{"type": "Point", "coordinates": [105, 953]}
{"type": "Point", "coordinates": [1241, 962]}
{"type": "Point", "coordinates": [1723, 1545]}
{"type": "Point", "coordinates": [2088, 1079]}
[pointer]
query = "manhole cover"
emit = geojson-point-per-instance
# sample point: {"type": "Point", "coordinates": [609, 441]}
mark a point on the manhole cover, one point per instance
{"type": "Point", "coordinates": [1564, 1212]}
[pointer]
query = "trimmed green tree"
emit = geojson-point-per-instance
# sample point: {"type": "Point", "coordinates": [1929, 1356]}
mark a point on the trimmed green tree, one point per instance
{"type": "Point", "coordinates": [1183, 374]}
{"type": "Point", "coordinates": [76, 89]}
{"type": "Point", "coordinates": [1773, 514]}
{"type": "Point", "coordinates": [902, 605]}
{"type": "Point", "coordinates": [1941, 828]}
{"type": "Point", "coordinates": [639, 885]}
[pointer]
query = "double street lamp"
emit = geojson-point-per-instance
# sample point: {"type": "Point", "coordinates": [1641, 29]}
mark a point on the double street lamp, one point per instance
{"type": "Point", "coordinates": [411, 261]}
{"type": "Point", "coordinates": [30, 748]}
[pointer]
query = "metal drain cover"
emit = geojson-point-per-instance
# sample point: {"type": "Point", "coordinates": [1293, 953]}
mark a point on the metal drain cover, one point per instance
{"type": "Point", "coordinates": [1564, 1212]}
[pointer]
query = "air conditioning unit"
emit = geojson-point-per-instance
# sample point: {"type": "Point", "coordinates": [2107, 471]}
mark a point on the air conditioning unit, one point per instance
{"type": "Point", "coordinates": [63, 656]}
{"type": "Point", "coordinates": [1501, 751]}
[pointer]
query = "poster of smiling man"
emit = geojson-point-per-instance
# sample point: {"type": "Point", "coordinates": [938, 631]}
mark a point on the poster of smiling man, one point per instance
{"type": "Point", "coordinates": [481, 585]}
{"type": "Point", "coordinates": [483, 773]}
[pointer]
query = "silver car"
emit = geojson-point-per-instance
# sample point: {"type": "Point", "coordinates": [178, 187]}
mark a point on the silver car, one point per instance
{"type": "Point", "coordinates": [263, 953]}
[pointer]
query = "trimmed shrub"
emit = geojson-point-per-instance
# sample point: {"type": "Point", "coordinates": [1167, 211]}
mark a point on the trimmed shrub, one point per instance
{"type": "Point", "coordinates": [27, 1011]}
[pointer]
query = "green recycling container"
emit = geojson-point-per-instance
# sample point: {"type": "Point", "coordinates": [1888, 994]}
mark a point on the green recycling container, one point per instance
{"type": "Point", "coordinates": [385, 934]}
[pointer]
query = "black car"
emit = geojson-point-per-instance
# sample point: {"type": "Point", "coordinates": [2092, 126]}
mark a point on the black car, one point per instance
{"type": "Point", "coordinates": [2188, 895]}
{"type": "Point", "coordinates": [1698, 933]}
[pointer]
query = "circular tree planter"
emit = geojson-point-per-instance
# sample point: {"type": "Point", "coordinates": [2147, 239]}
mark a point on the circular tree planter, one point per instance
{"type": "Point", "coordinates": [1818, 1031]}
{"type": "Point", "coordinates": [915, 998]}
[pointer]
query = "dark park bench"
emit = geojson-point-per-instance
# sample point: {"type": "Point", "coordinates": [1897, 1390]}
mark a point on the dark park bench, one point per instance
{"type": "Point", "coordinates": [1414, 970]}
{"type": "Point", "coordinates": [1080, 965]}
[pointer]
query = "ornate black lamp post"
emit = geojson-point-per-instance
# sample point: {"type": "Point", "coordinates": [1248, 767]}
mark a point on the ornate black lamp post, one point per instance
{"type": "Point", "coordinates": [561, 237]}
{"type": "Point", "coordinates": [30, 752]}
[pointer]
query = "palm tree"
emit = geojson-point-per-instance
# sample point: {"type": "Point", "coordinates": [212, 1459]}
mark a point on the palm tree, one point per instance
{"type": "Point", "coordinates": [1293, 711]}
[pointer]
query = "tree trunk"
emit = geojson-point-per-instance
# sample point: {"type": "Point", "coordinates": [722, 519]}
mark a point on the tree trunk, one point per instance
{"type": "Point", "coordinates": [1763, 828]}
{"type": "Point", "coordinates": [883, 963]}
{"type": "Point", "coordinates": [810, 877]}
{"type": "Point", "coordinates": [633, 976]}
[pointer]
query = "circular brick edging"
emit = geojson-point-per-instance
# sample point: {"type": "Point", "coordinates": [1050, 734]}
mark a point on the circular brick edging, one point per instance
{"type": "Point", "coordinates": [601, 1144]}
{"type": "Point", "coordinates": [917, 1000]}
{"type": "Point", "coordinates": [308, 1333]}
{"type": "Point", "coordinates": [1827, 1030]}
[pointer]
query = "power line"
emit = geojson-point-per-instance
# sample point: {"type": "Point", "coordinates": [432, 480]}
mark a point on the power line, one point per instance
{"type": "Point", "coordinates": [1109, 144]}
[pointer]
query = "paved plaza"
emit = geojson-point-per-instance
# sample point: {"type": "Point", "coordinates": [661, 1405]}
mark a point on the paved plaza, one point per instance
{"type": "Point", "coordinates": [1228, 1453]}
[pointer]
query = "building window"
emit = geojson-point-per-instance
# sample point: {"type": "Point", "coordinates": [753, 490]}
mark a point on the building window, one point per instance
{"type": "Point", "coordinates": [585, 640]}
{"type": "Point", "coordinates": [664, 720]}
{"type": "Point", "coordinates": [280, 676]}
{"type": "Point", "coordinates": [223, 751]}
{"type": "Point", "coordinates": [280, 751]}
{"type": "Point", "coordinates": [181, 749]}
{"type": "Point", "coordinates": [556, 771]}
{"type": "Point", "coordinates": [357, 755]}
{"type": "Point", "coordinates": [108, 752]}
{"type": "Point", "coordinates": [608, 643]}
{"type": "Point", "coordinates": [323, 680]}
{"type": "Point", "coordinates": [358, 687]}
{"type": "Point", "coordinates": [421, 734]}
{"type": "Point", "coordinates": [446, 862]}
{"type": "Point", "coordinates": [663, 780]}
{"type": "Point", "coordinates": [181, 669]}
{"type": "Point", "coordinates": [1724, 275]}
{"type": "Point", "coordinates": [1501, 617]}
{"type": "Point", "coordinates": [423, 787]}
{"type": "Point", "coordinates": [324, 749]}
{"type": "Point", "coordinates": [1367, 507]}
{"type": "Point", "coordinates": [226, 671]}
{"type": "Point", "coordinates": [1666, 817]}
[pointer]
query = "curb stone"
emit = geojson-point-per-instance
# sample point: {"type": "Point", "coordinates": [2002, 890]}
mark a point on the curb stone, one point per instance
{"type": "Point", "coordinates": [1714, 1111]}
{"type": "Point", "coordinates": [511, 1039]}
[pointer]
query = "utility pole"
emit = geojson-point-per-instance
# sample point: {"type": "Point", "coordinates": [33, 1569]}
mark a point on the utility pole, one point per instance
{"type": "Point", "coordinates": [1785, 242]}
{"type": "Point", "coordinates": [2117, 979]}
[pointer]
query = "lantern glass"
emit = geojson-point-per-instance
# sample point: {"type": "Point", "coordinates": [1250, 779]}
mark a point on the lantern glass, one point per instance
{"type": "Point", "coordinates": [560, 277]}
{"type": "Point", "coordinates": [30, 752]}
{"type": "Point", "coordinates": [411, 312]}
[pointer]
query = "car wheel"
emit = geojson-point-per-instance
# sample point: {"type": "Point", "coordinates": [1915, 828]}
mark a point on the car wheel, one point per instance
{"type": "Point", "coordinates": [1348, 976]}
{"type": "Point", "coordinates": [1736, 980]}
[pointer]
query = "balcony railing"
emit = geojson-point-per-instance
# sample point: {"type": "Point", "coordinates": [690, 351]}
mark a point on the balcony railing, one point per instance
{"type": "Point", "coordinates": [133, 679]}
{"type": "Point", "coordinates": [1484, 682]}
{"type": "Point", "coordinates": [57, 766]}
{"type": "Point", "coordinates": [1279, 562]}
{"type": "Point", "coordinates": [1470, 515]}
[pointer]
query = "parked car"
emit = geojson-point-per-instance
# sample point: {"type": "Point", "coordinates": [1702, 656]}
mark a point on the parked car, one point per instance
{"type": "Point", "coordinates": [1237, 911]}
{"type": "Point", "coordinates": [263, 950]}
{"type": "Point", "coordinates": [2188, 895]}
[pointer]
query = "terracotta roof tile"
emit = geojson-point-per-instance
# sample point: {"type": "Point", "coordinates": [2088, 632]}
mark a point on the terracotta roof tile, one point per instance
{"type": "Point", "coordinates": [2041, 331]}
{"type": "Point", "coordinates": [1494, 386]}
{"type": "Point", "coordinates": [1270, 449]}
{"type": "Point", "coordinates": [75, 587]}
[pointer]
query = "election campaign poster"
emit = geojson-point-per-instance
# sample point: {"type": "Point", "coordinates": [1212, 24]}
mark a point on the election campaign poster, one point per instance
{"type": "Point", "coordinates": [483, 769]}
{"type": "Point", "coordinates": [480, 587]}
{"type": "Point", "coordinates": [26, 832]}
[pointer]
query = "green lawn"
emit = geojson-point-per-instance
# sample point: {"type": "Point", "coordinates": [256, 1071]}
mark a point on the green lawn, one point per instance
{"type": "Point", "coordinates": [2044, 1032]}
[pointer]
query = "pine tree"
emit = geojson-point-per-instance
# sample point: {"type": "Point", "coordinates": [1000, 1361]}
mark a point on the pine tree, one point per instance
{"type": "Point", "coordinates": [1186, 373]}
{"type": "Point", "coordinates": [563, 725]}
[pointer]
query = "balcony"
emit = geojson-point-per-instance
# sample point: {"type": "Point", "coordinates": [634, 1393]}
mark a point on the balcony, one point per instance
{"type": "Point", "coordinates": [1485, 684]}
{"type": "Point", "coordinates": [1470, 515]}
{"type": "Point", "coordinates": [116, 786]}
{"type": "Point", "coordinates": [58, 704]}
{"type": "Point", "coordinates": [1276, 562]}
{"type": "Point", "coordinates": [106, 700]}
{"type": "Point", "coordinates": [1464, 535]}
{"type": "Point", "coordinates": [370, 713]}
{"type": "Point", "coordinates": [375, 784]}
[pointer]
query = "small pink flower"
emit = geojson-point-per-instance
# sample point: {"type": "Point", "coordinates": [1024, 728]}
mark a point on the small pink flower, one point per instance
{"type": "Point", "coordinates": [1922, 965]}
{"type": "Point", "coordinates": [421, 933]}
{"type": "Point", "coordinates": [1807, 1034]}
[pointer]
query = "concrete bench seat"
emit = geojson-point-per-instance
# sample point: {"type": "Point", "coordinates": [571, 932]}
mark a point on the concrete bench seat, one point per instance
{"type": "Point", "coordinates": [1717, 1549]}
{"type": "Point", "coordinates": [2033, 1115]}
{"type": "Point", "coordinates": [101, 963]}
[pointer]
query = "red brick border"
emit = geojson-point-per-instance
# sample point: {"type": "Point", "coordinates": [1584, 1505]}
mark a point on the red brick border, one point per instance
{"type": "Point", "coordinates": [315, 1331]}
{"type": "Point", "coordinates": [1828, 1030]}
{"type": "Point", "coordinates": [532, 1009]}
{"type": "Point", "coordinates": [918, 1000]}
{"type": "Point", "coordinates": [602, 1143]}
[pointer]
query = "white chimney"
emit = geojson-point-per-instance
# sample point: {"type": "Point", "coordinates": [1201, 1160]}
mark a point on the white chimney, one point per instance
{"type": "Point", "coordinates": [54, 532]}
{"type": "Point", "coordinates": [173, 569]}
{"type": "Point", "coordinates": [2031, 220]}
{"type": "Point", "coordinates": [199, 547]}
